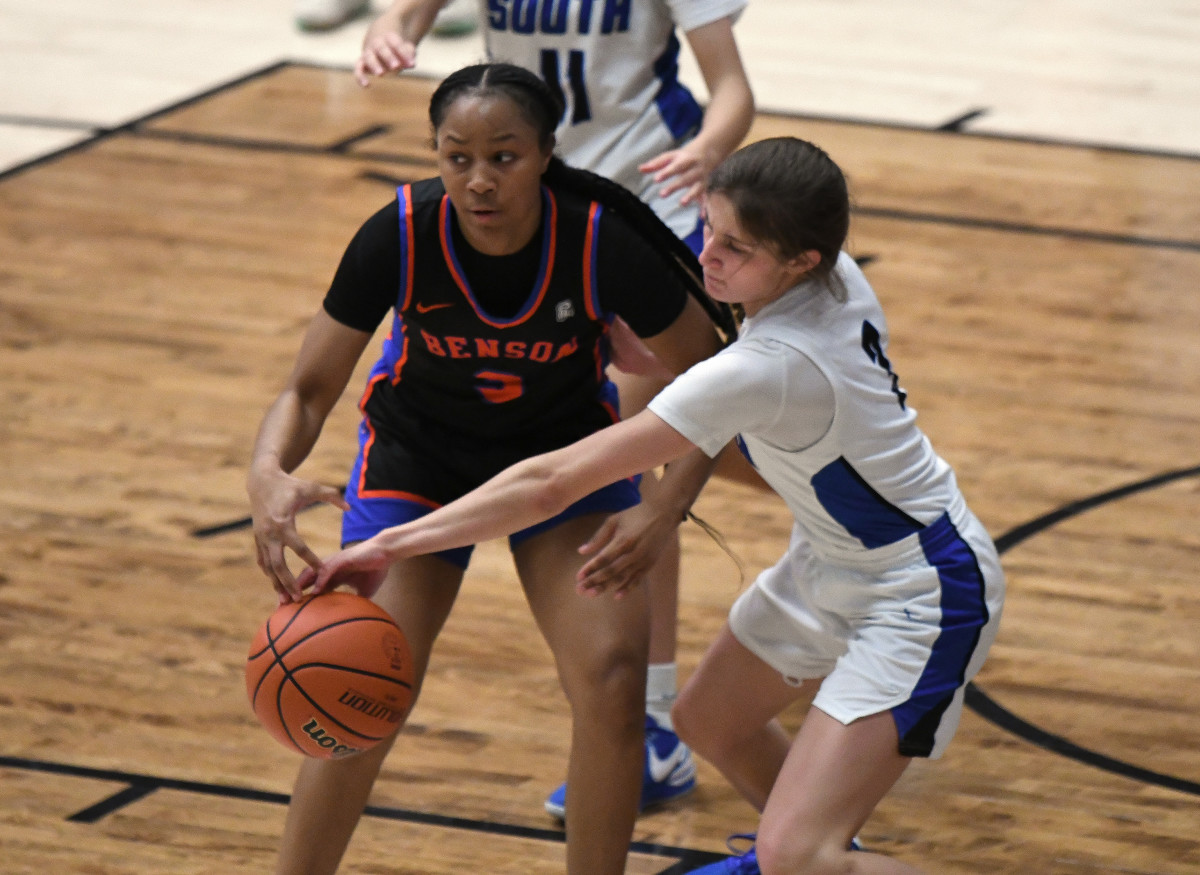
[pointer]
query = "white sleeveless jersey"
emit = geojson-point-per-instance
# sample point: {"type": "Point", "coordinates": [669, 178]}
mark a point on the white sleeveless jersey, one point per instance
{"type": "Point", "coordinates": [871, 479]}
{"type": "Point", "coordinates": [615, 63]}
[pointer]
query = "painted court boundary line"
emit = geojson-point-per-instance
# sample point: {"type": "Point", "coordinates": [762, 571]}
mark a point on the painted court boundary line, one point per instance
{"type": "Point", "coordinates": [139, 786]}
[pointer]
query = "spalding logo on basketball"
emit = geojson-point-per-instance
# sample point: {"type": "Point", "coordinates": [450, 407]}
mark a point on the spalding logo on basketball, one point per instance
{"type": "Point", "coordinates": [330, 676]}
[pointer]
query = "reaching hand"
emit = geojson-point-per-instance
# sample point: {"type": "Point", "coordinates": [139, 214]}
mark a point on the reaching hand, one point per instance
{"type": "Point", "coordinates": [685, 168]}
{"type": "Point", "coordinates": [630, 354]}
{"type": "Point", "coordinates": [362, 567]}
{"type": "Point", "coordinates": [275, 499]}
{"type": "Point", "coordinates": [384, 51]}
{"type": "Point", "coordinates": [623, 550]}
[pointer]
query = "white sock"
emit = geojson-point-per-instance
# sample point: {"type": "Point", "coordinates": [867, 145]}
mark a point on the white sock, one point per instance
{"type": "Point", "coordinates": [660, 692]}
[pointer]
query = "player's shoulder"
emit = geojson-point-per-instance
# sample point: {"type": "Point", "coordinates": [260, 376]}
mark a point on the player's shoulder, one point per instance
{"type": "Point", "coordinates": [427, 190]}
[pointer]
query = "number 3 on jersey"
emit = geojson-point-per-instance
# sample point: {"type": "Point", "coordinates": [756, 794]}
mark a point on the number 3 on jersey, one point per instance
{"type": "Point", "coordinates": [552, 72]}
{"type": "Point", "coordinates": [497, 387]}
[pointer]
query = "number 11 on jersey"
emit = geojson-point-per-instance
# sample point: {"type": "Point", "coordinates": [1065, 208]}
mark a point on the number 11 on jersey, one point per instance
{"type": "Point", "coordinates": [552, 72]}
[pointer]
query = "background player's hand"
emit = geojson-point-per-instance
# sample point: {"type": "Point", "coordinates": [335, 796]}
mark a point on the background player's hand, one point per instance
{"type": "Point", "coordinates": [630, 354]}
{"type": "Point", "coordinates": [684, 168]}
{"type": "Point", "coordinates": [623, 550]}
{"type": "Point", "coordinates": [384, 51]}
{"type": "Point", "coordinates": [362, 567]}
{"type": "Point", "coordinates": [275, 499]}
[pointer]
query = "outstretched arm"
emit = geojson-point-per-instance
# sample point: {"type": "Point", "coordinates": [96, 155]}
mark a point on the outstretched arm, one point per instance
{"type": "Point", "coordinates": [529, 492]}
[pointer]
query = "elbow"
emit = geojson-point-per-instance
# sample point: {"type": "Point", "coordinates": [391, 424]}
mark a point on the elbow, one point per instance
{"type": "Point", "coordinates": [553, 492]}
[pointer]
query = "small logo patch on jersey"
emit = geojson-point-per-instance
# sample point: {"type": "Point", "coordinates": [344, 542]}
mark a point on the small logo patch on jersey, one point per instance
{"type": "Point", "coordinates": [425, 308]}
{"type": "Point", "coordinates": [563, 311]}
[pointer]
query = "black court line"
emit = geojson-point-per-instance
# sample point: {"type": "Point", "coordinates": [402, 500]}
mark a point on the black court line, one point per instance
{"type": "Point", "coordinates": [43, 122]}
{"type": "Point", "coordinates": [103, 133]}
{"type": "Point", "coordinates": [140, 785]}
{"type": "Point", "coordinates": [987, 708]}
{"type": "Point", "coordinates": [1025, 228]}
{"type": "Point", "coordinates": [959, 123]}
{"type": "Point", "coordinates": [245, 522]}
{"type": "Point", "coordinates": [137, 127]}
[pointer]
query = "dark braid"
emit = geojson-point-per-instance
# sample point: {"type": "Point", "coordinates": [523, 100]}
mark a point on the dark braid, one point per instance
{"type": "Point", "coordinates": [638, 214]}
{"type": "Point", "coordinates": [543, 109]}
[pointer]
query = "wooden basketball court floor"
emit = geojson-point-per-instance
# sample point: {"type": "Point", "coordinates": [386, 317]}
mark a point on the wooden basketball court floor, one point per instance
{"type": "Point", "coordinates": [156, 279]}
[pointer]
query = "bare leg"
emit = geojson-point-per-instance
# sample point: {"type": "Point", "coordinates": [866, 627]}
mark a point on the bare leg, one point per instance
{"type": "Point", "coordinates": [815, 792]}
{"type": "Point", "coordinates": [599, 646]}
{"type": "Point", "coordinates": [726, 713]}
{"type": "Point", "coordinates": [329, 795]}
{"type": "Point", "coordinates": [662, 580]}
{"type": "Point", "coordinates": [833, 778]}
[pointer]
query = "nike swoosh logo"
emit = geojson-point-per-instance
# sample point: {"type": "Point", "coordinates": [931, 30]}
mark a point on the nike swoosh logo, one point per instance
{"type": "Point", "coordinates": [661, 769]}
{"type": "Point", "coordinates": [425, 308]}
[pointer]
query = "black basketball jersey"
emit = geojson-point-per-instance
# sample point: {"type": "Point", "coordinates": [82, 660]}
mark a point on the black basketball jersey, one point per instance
{"type": "Point", "coordinates": [536, 376]}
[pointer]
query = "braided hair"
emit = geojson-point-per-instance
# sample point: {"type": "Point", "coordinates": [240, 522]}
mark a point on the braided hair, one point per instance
{"type": "Point", "coordinates": [543, 109]}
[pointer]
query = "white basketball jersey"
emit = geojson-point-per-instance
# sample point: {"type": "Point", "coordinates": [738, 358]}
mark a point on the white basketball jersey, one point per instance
{"type": "Point", "coordinates": [615, 64]}
{"type": "Point", "coordinates": [872, 479]}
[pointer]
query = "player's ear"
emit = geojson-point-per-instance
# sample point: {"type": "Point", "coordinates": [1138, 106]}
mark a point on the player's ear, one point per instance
{"type": "Point", "coordinates": [805, 261]}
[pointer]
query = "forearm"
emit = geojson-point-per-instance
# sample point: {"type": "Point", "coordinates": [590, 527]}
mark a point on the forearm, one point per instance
{"type": "Point", "coordinates": [528, 493]}
{"type": "Point", "coordinates": [544, 486]}
{"type": "Point", "coordinates": [287, 435]}
{"type": "Point", "coordinates": [680, 485]}
{"type": "Point", "coordinates": [727, 120]}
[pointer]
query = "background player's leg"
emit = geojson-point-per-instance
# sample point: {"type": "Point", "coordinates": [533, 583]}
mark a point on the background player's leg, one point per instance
{"type": "Point", "coordinates": [676, 777]}
{"type": "Point", "coordinates": [329, 795]}
{"type": "Point", "coordinates": [599, 647]}
{"type": "Point", "coordinates": [662, 580]}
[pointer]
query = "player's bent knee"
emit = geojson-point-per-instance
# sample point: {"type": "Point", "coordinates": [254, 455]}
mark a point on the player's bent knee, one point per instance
{"type": "Point", "coordinates": [787, 852]}
{"type": "Point", "coordinates": [611, 682]}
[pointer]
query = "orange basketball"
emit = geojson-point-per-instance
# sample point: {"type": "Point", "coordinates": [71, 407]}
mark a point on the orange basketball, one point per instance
{"type": "Point", "coordinates": [330, 676]}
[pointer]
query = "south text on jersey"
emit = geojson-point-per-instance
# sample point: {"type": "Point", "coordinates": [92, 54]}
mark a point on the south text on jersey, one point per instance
{"type": "Point", "coordinates": [553, 16]}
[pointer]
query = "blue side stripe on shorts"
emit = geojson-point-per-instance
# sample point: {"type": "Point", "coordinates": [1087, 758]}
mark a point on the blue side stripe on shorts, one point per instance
{"type": "Point", "coordinates": [964, 614]}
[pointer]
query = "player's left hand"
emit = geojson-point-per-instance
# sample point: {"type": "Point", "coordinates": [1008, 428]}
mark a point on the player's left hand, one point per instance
{"type": "Point", "coordinates": [684, 168]}
{"type": "Point", "coordinates": [630, 354]}
{"type": "Point", "coordinates": [623, 550]}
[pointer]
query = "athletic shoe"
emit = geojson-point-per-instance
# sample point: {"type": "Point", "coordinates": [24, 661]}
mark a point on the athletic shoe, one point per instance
{"type": "Point", "coordinates": [669, 772]}
{"type": "Point", "coordinates": [738, 864]}
{"type": "Point", "coordinates": [456, 18]}
{"type": "Point", "coordinates": [318, 15]}
{"type": "Point", "coordinates": [747, 863]}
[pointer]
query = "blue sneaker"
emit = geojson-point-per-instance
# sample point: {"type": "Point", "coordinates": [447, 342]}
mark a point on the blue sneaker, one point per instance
{"type": "Point", "coordinates": [747, 863]}
{"type": "Point", "coordinates": [669, 772]}
{"type": "Point", "coordinates": [738, 864]}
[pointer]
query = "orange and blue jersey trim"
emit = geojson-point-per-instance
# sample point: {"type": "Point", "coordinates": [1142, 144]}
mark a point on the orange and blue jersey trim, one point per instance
{"type": "Point", "coordinates": [545, 271]}
{"type": "Point", "coordinates": [407, 244]}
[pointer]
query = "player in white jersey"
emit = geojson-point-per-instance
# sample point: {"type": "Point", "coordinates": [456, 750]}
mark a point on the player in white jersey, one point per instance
{"type": "Point", "coordinates": [614, 63]}
{"type": "Point", "coordinates": [889, 596]}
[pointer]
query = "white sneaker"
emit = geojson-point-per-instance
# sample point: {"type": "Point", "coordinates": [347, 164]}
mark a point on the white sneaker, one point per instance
{"type": "Point", "coordinates": [327, 14]}
{"type": "Point", "coordinates": [456, 18]}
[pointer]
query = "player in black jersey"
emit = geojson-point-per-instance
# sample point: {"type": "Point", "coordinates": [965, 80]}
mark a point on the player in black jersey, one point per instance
{"type": "Point", "coordinates": [504, 275]}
